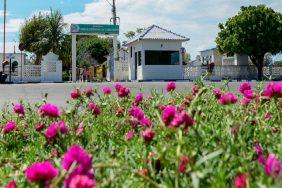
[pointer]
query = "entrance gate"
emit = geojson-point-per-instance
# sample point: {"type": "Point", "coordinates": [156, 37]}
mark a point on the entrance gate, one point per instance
{"type": "Point", "coordinates": [93, 29]}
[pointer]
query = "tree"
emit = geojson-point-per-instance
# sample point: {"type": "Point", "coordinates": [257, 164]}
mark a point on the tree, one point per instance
{"type": "Point", "coordinates": [43, 33]}
{"type": "Point", "coordinates": [92, 48]}
{"type": "Point", "coordinates": [33, 36]}
{"type": "Point", "coordinates": [254, 31]}
{"type": "Point", "coordinates": [130, 34]}
{"type": "Point", "coordinates": [65, 52]}
{"type": "Point", "coordinates": [55, 30]}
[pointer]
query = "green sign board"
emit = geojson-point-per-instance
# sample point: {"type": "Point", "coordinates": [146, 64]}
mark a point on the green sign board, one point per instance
{"type": "Point", "coordinates": [94, 28]}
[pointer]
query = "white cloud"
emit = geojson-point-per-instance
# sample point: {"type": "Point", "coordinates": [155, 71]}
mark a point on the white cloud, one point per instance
{"type": "Point", "coordinates": [12, 26]}
{"type": "Point", "coordinates": [9, 47]}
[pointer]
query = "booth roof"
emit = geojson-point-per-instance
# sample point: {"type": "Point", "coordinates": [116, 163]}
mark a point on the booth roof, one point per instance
{"type": "Point", "coordinates": [155, 32]}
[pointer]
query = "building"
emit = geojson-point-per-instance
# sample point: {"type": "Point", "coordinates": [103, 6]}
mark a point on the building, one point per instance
{"type": "Point", "coordinates": [212, 55]}
{"type": "Point", "coordinates": [156, 54]}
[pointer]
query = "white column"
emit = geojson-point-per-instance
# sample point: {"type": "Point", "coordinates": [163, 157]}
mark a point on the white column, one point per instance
{"type": "Point", "coordinates": [115, 44]}
{"type": "Point", "coordinates": [73, 57]}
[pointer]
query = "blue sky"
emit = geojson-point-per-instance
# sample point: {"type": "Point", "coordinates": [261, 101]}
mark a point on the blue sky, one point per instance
{"type": "Point", "coordinates": [196, 19]}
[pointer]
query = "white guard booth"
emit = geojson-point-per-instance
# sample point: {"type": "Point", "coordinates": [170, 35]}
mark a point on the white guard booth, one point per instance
{"type": "Point", "coordinates": [92, 29]}
{"type": "Point", "coordinates": [156, 54]}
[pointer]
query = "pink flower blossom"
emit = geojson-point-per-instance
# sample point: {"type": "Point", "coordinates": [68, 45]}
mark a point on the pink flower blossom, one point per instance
{"type": "Point", "coordinates": [80, 129]}
{"type": "Point", "coordinates": [19, 109]}
{"type": "Point", "coordinates": [75, 94]}
{"type": "Point", "coordinates": [240, 181]}
{"type": "Point", "coordinates": [11, 184]}
{"type": "Point", "coordinates": [136, 112]}
{"type": "Point", "coordinates": [259, 151]}
{"type": "Point", "coordinates": [273, 165]}
{"type": "Point", "coordinates": [62, 127]}
{"type": "Point", "coordinates": [148, 135]}
{"type": "Point", "coordinates": [171, 86]}
{"type": "Point", "coordinates": [9, 127]}
{"type": "Point", "coordinates": [228, 98]}
{"type": "Point", "coordinates": [169, 114]}
{"type": "Point", "coordinates": [88, 92]}
{"type": "Point", "coordinates": [107, 90]}
{"type": "Point", "coordinates": [249, 94]}
{"type": "Point", "coordinates": [118, 86]}
{"type": "Point", "coordinates": [195, 89]}
{"type": "Point", "coordinates": [41, 172]}
{"type": "Point", "coordinates": [180, 108]}
{"type": "Point", "coordinates": [246, 101]}
{"type": "Point", "coordinates": [183, 164]}
{"type": "Point", "coordinates": [217, 93]}
{"type": "Point", "coordinates": [49, 110]}
{"type": "Point", "coordinates": [273, 90]}
{"type": "Point", "coordinates": [123, 92]}
{"type": "Point", "coordinates": [39, 126]}
{"type": "Point", "coordinates": [81, 181]}
{"type": "Point", "coordinates": [146, 122]}
{"type": "Point", "coordinates": [182, 168]}
{"type": "Point", "coordinates": [138, 98]}
{"type": "Point", "coordinates": [244, 87]}
{"type": "Point", "coordinates": [94, 108]}
{"type": "Point", "coordinates": [51, 132]}
{"type": "Point", "coordinates": [268, 116]}
{"type": "Point", "coordinates": [80, 156]}
{"type": "Point", "coordinates": [129, 135]}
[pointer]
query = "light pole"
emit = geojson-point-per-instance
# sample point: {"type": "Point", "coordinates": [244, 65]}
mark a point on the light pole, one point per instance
{"type": "Point", "coordinates": [4, 39]}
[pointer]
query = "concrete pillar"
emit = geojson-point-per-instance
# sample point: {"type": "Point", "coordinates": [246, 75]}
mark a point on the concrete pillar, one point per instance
{"type": "Point", "coordinates": [73, 57]}
{"type": "Point", "coordinates": [115, 44]}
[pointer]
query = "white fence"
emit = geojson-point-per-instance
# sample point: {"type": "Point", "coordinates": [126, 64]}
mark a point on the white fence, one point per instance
{"type": "Point", "coordinates": [231, 72]}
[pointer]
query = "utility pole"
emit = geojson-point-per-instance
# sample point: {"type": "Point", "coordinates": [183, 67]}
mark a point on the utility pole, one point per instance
{"type": "Point", "coordinates": [114, 10]}
{"type": "Point", "coordinates": [4, 40]}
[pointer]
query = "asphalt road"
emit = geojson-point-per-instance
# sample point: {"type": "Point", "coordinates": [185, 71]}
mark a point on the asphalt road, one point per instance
{"type": "Point", "coordinates": [58, 93]}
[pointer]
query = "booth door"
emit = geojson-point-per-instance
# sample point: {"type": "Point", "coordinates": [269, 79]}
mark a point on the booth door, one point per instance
{"type": "Point", "coordinates": [136, 66]}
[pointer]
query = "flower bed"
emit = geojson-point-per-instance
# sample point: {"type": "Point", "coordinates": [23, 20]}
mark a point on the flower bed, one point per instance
{"type": "Point", "coordinates": [208, 137]}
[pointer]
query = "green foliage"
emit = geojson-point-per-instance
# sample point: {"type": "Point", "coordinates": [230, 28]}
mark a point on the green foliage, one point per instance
{"type": "Point", "coordinates": [219, 145]}
{"type": "Point", "coordinates": [92, 48]}
{"type": "Point", "coordinates": [254, 31]}
{"type": "Point", "coordinates": [43, 33]}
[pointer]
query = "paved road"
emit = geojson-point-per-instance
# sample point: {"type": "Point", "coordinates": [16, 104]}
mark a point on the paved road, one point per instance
{"type": "Point", "coordinates": [58, 93]}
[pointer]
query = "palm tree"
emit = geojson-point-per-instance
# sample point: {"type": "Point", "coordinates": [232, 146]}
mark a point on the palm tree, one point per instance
{"type": "Point", "coordinates": [56, 30]}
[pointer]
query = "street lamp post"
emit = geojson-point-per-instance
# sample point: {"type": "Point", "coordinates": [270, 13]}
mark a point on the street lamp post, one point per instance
{"type": "Point", "coordinates": [4, 39]}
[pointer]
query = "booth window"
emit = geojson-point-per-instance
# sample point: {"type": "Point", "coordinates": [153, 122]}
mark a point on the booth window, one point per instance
{"type": "Point", "coordinates": [136, 59]}
{"type": "Point", "coordinates": [139, 58]}
{"type": "Point", "coordinates": [161, 57]}
{"type": "Point", "coordinates": [131, 51]}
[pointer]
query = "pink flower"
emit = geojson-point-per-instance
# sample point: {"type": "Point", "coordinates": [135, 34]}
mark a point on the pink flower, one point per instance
{"type": "Point", "coordinates": [180, 108]}
{"type": "Point", "coordinates": [118, 86]}
{"type": "Point", "coordinates": [81, 181]}
{"type": "Point", "coordinates": [80, 129]}
{"type": "Point", "coordinates": [19, 109]}
{"type": "Point", "coordinates": [51, 132]}
{"type": "Point", "coordinates": [240, 181]}
{"type": "Point", "coordinates": [228, 98]}
{"type": "Point", "coordinates": [41, 172]}
{"type": "Point", "coordinates": [246, 102]}
{"type": "Point", "coordinates": [195, 89]}
{"type": "Point", "coordinates": [146, 122]}
{"type": "Point", "coordinates": [171, 86]}
{"type": "Point", "coordinates": [217, 93]}
{"type": "Point", "coordinates": [9, 127]}
{"type": "Point", "coordinates": [249, 94]}
{"type": "Point", "coordinates": [138, 98]}
{"type": "Point", "coordinates": [39, 126]}
{"type": "Point", "coordinates": [49, 110]}
{"type": "Point", "coordinates": [268, 116]}
{"type": "Point", "coordinates": [273, 165]}
{"type": "Point", "coordinates": [123, 92]}
{"type": "Point", "coordinates": [273, 90]}
{"type": "Point", "coordinates": [129, 135]}
{"type": "Point", "coordinates": [11, 184]}
{"type": "Point", "coordinates": [62, 127]}
{"type": "Point", "coordinates": [95, 109]}
{"type": "Point", "coordinates": [169, 114]}
{"type": "Point", "coordinates": [75, 94]}
{"type": "Point", "coordinates": [88, 92]}
{"type": "Point", "coordinates": [148, 135]}
{"type": "Point", "coordinates": [182, 168]}
{"type": "Point", "coordinates": [136, 112]}
{"type": "Point", "coordinates": [183, 165]}
{"type": "Point", "coordinates": [244, 87]}
{"type": "Point", "coordinates": [80, 156]}
{"type": "Point", "coordinates": [259, 151]}
{"type": "Point", "coordinates": [107, 90]}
